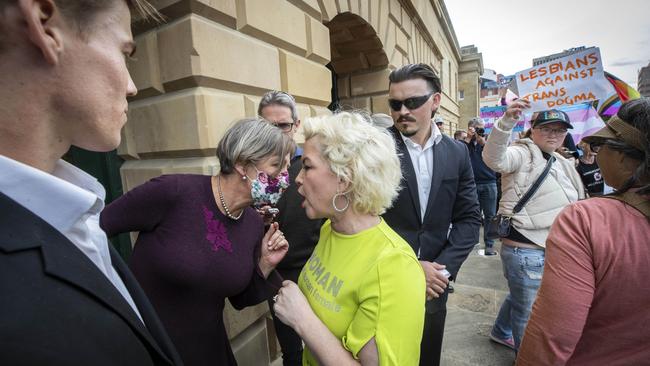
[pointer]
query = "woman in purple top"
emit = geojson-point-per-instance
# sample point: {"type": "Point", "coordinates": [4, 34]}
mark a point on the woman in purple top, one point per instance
{"type": "Point", "coordinates": [200, 241]}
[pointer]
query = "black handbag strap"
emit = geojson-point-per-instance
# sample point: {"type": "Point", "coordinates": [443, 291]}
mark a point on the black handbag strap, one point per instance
{"type": "Point", "coordinates": [531, 191]}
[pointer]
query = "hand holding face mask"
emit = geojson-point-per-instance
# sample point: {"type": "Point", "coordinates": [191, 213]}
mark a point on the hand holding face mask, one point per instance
{"type": "Point", "coordinates": [267, 213]}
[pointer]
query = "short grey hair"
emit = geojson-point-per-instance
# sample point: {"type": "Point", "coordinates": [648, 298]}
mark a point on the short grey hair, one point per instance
{"type": "Point", "coordinates": [474, 121]}
{"type": "Point", "coordinates": [250, 141]}
{"type": "Point", "coordinates": [275, 97]}
{"type": "Point", "coordinates": [382, 120]}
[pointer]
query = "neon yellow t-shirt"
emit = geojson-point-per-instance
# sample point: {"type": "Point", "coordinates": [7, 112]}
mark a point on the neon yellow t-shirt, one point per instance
{"type": "Point", "coordinates": [366, 285]}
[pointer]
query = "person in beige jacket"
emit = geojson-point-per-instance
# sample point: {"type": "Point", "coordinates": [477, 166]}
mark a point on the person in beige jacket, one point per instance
{"type": "Point", "coordinates": [520, 164]}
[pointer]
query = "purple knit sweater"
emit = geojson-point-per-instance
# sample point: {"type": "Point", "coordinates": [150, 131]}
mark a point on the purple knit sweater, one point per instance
{"type": "Point", "coordinates": [189, 258]}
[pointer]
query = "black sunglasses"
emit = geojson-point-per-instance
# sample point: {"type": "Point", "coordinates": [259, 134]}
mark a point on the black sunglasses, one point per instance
{"type": "Point", "coordinates": [409, 103]}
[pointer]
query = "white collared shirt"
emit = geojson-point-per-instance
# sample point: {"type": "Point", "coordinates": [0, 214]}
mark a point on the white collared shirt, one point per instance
{"type": "Point", "coordinates": [70, 200]}
{"type": "Point", "coordinates": [422, 159]}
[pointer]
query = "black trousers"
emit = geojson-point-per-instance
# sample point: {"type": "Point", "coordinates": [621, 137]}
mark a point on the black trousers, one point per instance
{"type": "Point", "coordinates": [434, 328]}
{"type": "Point", "coordinates": [290, 342]}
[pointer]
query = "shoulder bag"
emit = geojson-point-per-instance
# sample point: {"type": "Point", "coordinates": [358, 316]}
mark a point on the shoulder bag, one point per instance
{"type": "Point", "coordinates": [499, 226]}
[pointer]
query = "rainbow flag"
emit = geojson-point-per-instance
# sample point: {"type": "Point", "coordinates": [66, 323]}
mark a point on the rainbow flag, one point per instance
{"type": "Point", "coordinates": [624, 92]}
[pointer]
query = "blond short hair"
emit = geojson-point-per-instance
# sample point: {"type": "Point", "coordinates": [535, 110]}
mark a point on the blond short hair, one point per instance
{"type": "Point", "coordinates": [361, 154]}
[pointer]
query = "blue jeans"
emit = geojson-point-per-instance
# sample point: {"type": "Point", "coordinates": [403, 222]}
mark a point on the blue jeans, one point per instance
{"type": "Point", "coordinates": [487, 199]}
{"type": "Point", "coordinates": [523, 268]}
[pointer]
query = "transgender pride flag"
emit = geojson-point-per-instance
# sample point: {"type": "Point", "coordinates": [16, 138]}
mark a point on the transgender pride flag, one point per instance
{"type": "Point", "coordinates": [583, 116]}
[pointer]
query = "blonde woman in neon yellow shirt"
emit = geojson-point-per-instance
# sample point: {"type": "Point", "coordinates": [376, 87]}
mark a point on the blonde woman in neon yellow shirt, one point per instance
{"type": "Point", "coordinates": [360, 297]}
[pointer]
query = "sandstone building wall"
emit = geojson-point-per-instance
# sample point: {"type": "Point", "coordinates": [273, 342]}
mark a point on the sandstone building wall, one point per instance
{"type": "Point", "coordinates": [211, 61]}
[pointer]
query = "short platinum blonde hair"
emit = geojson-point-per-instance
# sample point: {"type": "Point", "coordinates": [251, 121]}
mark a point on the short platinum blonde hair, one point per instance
{"type": "Point", "coordinates": [250, 141]}
{"type": "Point", "coordinates": [361, 154]}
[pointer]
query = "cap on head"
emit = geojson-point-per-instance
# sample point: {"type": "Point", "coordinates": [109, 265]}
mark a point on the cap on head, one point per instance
{"type": "Point", "coordinates": [550, 116]}
{"type": "Point", "coordinates": [617, 129]}
{"type": "Point", "coordinates": [438, 120]}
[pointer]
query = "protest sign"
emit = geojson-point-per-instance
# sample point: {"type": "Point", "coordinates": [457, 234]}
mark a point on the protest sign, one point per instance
{"type": "Point", "coordinates": [570, 80]}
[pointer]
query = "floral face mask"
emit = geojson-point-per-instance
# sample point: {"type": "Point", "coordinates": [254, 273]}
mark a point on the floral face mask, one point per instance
{"type": "Point", "coordinates": [266, 190]}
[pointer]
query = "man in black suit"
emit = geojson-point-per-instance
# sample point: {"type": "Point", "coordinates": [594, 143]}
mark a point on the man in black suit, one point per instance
{"type": "Point", "coordinates": [67, 298]}
{"type": "Point", "coordinates": [279, 108]}
{"type": "Point", "coordinates": [437, 210]}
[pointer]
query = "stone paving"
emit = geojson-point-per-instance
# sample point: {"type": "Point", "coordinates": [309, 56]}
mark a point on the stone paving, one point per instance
{"type": "Point", "coordinates": [471, 311]}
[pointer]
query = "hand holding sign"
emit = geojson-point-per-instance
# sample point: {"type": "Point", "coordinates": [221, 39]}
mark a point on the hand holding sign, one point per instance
{"type": "Point", "coordinates": [570, 80]}
{"type": "Point", "coordinates": [513, 114]}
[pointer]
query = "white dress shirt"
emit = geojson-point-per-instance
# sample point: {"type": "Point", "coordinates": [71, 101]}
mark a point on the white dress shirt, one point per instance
{"type": "Point", "coordinates": [70, 200]}
{"type": "Point", "coordinates": [422, 159]}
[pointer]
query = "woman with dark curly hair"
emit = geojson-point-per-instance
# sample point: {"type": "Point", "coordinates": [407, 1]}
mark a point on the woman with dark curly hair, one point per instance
{"type": "Point", "coordinates": [592, 307]}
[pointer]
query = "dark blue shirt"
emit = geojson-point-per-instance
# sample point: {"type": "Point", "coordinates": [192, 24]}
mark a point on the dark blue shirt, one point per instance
{"type": "Point", "coordinates": [482, 174]}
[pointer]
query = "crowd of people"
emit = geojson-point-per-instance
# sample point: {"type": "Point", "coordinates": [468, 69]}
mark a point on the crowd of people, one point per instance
{"type": "Point", "coordinates": [352, 238]}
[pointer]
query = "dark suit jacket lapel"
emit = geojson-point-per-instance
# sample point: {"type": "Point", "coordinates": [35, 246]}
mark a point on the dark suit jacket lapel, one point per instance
{"type": "Point", "coordinates": [439, 152]}
{"type": "Point", "coordinates": [154, 326]}
{"type": "Point", "coordinates": [407, 170]}
{"type": "Point", "coordinates": [62, 259]}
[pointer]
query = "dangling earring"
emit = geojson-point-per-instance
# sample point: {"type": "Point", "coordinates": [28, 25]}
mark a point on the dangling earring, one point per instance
{"type": "Point", "coordinates": [347, 202]}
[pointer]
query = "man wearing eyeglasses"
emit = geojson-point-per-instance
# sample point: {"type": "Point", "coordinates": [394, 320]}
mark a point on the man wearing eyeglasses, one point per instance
{"type": "Point", "coordinates": [439, 193]}
{"type": "Point", "coordinates": [302, 233]}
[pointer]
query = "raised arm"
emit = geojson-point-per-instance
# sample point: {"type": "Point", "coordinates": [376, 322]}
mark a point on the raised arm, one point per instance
{"type": "Point", "coordinates": [265, 281]}
{"type": "Point", "coordinates": [497, 154]}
